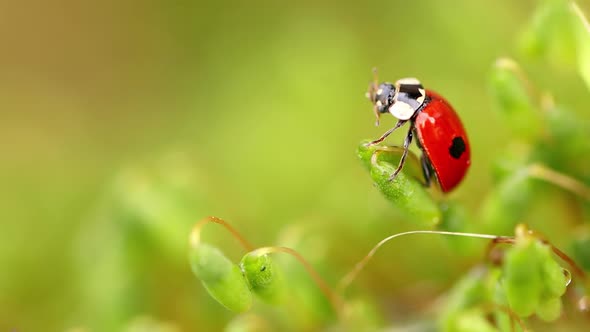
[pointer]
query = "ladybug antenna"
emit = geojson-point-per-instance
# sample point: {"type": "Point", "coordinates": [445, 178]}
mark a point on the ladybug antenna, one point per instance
{"type": "Point", "coordinates": [371, 95]}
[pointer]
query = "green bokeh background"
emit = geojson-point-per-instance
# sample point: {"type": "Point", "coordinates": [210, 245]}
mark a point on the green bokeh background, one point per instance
{"type": "Point", "coordinates": [264, 101]}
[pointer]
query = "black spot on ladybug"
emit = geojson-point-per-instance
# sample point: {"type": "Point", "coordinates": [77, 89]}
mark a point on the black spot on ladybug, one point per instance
{"type": "Point", "coordinates": [457, 148]}
{"type": "Point", "coordinates": [263, 268]}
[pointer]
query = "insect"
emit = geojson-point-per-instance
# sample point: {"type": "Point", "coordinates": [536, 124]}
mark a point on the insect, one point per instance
{"type": "Point", "coordinates": [439, 131]}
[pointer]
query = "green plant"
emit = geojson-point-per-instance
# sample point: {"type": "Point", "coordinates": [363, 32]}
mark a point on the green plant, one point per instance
{"type": "Point", "coordinates": [512, 283]}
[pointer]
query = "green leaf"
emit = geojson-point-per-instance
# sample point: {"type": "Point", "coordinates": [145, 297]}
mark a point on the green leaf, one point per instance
{"type": "Point", "coordinates": [567, 142]}
{"type": "Point", "coordinates": [471, 321]}
{"type": "Point", "coordinates": [361, 315]}
{"type": "Point", "coordinates": [149, 324]}
{"type": "Point", "coordinates": [514, 157]}
{"type": "Point", "coordinates": [549, 34]}
{"type": "Point", "coordinates": [549, 309]}
{"type": "Point", "coordinates": [222, 279]}
{"type": "Point", "coordinates": [406, 192]}
{"type": "Point", "coordinates": [553, 276]}
{"type": "Point", "coordinates": [559, 32]}
{"type": "Point", "coordinates": [513, 101]}
{"type": "Point", "coordinates": [263, 276]}
{"type": "Point", "coordinates": [249, 323]}
{"type": "Point", "coordinates": [468, 293]}
{"type": "Point", "coordinates": [503, 320]}
{"type": "Point", "coordinates": [156, 203]}
{"type": "Point", "coordinates": [582, 33]}
{"type": "Point", "coordinates": [522, 281]}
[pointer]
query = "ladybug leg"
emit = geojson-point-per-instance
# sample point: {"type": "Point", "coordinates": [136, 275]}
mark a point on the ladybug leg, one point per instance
{"type": "Point", "coordinates": [407, 143]}
{"type": "Point", "coordinates": [387, 133]}
{"type": "Point", "coordinates": [426, 169]}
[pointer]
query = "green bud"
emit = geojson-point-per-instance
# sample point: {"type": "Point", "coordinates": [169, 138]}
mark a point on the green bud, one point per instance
{"type": "Point", "coordinates": [567, 141]}
{"type": "Point", "coordinates": [514, 157]}
{"type": "Point", "coordinates": [549, 309]}
{"type": "Point", "coordinates": [248, 323]}
{"type": "Point", "coordinates": [263, 276]}
{"type": "Point", "coordinates": [149, 324]}
{"type": "Point", "coordinates": [468, 293]}
{"type": "Point", "coordinates": [550, 34]}
{"type": "Point", "coordinates": [391, 155]}
{"type": "Point", "coordinates": [553, 276]}
{"type": "Point", "coordinates": [523, 282]}
{"type": "Point", "coordinates": [503, 320]}
{"type": "Point", "coordinates": [405, 192]}
{"type": "Point", "coordinates": [581, 31]}
{"type": "Point", "coordinates": [365, 153]}
{"type": "Point", "coordinates": [513, 100]}
{"type": "Point", "coordinates": [508, 202]}
{"type": "Point", "coordinates": [360, 315]}
{"type": "Point", "coordinates": [222, 279]}
{"type": "Point", "coordinates": [533, 42]}
{"type": "Point", "coordinates": [156, 205]}
{"type": "Point", "coordinates": [470, 321]}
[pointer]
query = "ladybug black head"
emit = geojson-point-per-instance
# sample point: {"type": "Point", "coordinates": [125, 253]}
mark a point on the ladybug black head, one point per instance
{"type": "Point", "coordinates": [382, 97]}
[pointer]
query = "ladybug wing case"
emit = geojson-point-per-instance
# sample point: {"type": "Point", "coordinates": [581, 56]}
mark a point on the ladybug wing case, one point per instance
{"type": "Point", "coordinates": [443, 140]}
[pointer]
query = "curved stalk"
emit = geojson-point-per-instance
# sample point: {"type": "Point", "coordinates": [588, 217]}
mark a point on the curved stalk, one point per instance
{"type": "Point", "coordinates": [335, 300]}
{"type": "Point", "coordinates": [513, 316]}
{"type": "Point", "coordinates": [559, 179]}
{"type": "Point", "coordinates": [350, 276]}
{"type": "Point", "coordinates": [195, 236]}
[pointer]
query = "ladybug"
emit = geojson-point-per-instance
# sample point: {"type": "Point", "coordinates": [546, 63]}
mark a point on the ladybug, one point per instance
{"type": "Point", "coordinates": [439, 131]}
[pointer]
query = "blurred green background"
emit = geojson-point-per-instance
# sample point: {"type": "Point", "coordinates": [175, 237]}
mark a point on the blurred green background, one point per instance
{"type": "Point", "coordinates": [253, 110]}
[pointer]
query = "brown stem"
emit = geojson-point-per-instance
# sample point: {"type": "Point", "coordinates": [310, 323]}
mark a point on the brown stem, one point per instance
{"type": "Point", "coordinates": [497, 241]}
{"type": "Point", "coordinates": [334, 298]}
{"type": "Point", "coordinates": [195, 236]}
{"type": "Point", "coordinates": [564, 181]}
{"type": "Point", "coordinates": [577, 270]}
{"type": "Point", "coordinates": [513, 316]}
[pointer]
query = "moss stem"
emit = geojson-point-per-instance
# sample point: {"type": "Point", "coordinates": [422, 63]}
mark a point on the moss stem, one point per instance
{"type": "Point", "coordinates": [195, 236]}
{"type": "Point", "coordinates": [559, 179]}
{"type": "Point", "coordinates": [350, 276]}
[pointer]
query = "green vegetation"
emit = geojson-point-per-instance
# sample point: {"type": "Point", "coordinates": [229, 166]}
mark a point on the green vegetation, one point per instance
{"type": "Point", "coordinates": [169, 113]}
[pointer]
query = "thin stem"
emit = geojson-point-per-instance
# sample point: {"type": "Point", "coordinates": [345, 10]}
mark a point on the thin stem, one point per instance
{"type": "Point", "coordinates": [559, 179]}
{"type": "Point", "coordinates": [509, 64]}
{"type": "Point", "coordinates": [577, 270]}
{"type": "Point", "coordinates": [581, 15]}
{"type": "Point", "coordinates": [195, 236]}
{"type": "Point", "coordinates": [334, 298]}
{"type": "Point", "coordinates": [350, 276]}
{"type": "Point", "coordinates": [496, 241]}
{"type": "Point", "coordinates": [513, 316]}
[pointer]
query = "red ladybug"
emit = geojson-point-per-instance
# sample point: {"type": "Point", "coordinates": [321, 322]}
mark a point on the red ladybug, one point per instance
{"type": "Point", "coordinates": [441, 136]}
